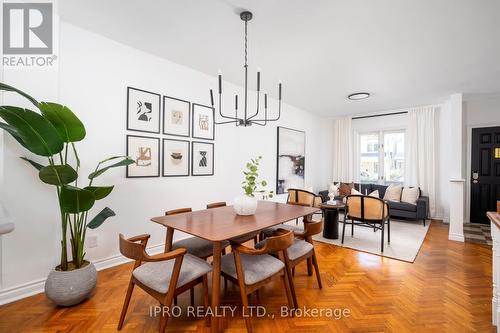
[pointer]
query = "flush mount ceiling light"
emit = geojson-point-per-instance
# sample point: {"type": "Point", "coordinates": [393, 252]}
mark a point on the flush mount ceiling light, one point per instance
{"type": "Point", "coordinates": [358, 96]}
{"type": "Point", "coordinates": [246, 119]}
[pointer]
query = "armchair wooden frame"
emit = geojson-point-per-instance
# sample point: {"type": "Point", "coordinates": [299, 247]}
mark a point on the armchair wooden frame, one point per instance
{"type": "Point", "coordinates": [135, 248]}
{"type": "Point", "coordinates": [364, 221]}
{"type": "Point", "coordinates": [276, 244]}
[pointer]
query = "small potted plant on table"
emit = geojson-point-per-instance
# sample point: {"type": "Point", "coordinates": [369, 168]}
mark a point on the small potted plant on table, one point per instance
{"type": "Point", "coordinates": [246, 204]}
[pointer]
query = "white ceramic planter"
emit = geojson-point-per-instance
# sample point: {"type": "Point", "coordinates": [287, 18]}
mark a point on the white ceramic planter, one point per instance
{"type": "Point", "coordinates": [67, 288]}
{"type": "Point", "coordinates": [245, 205]}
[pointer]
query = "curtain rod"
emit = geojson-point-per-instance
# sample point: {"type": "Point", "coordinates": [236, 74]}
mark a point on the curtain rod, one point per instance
{"type": "Point", "coordinates": [380, 115]}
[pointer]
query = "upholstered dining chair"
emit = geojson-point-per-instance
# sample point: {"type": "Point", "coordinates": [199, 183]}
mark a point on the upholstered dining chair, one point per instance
{"type": "Point", "coordinates": [252, 268]}
{"type": "Point", "coordinates": [162, 276]}
{"type": "Point", "coordinates": [196, 246]}
{"type": "Point", "coordinates": [367, 211]}
{"type": "Point", "coordinates": [240, 239]}
{"type": "Point", "coordinates": [302, 250]}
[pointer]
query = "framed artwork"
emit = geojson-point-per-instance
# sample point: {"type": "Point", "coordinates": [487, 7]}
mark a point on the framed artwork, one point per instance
{"type": "Point", "coordinates": [145, 151]}
{"type": "Point", "coordinates": [143, 111]}
{"type": "Point", "coordinates": [202, 159]}
{"type": "Point", "coordinates": [203, 122]}
{"type": "Point", "coordinates": [290, 168]}
{"type": "Point", "coordinates": [176, 116]}
{"type": "Point", "coordinates": [175, 161]}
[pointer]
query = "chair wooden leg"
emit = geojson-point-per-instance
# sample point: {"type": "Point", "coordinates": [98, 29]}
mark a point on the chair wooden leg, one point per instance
{"type": "Point", "coordinates": [255, 240]}
{"type": "Point", "coordinates": [316, 268]}
{"type": "Point", "coordinates": [424, 222]}
{"type": "Point", "coordinates": [126, 303]}
{"type": "Point", "coordinates": [343, 231]}
{"type": "Point", "coordinates": [309, 267]}
{"type": "Point", "coordinates": [287, 290]}
{"type": "Point", "coordinates": [352, 228]}
{"type": "Point", "coordinates": [175, 300]}
{"type": "Point", "coordinates": [206, 300]}
{"type": "Point", "coordinates": [257, 296]}
{"type": "Point", "coordinates": [244, 302]}
{"type": "Point", "coordinates": [289, 276]}
{"type": "Point", "coordinates": [388, 230]}
{"type": "Point", "coordinates": [191, 296]}
{"type": "Point", "coordinates": [293, 271]}
{"type": "Point", "coordinates": [382, 241]}
{"type": "Point", "coordinates": [164, 318]}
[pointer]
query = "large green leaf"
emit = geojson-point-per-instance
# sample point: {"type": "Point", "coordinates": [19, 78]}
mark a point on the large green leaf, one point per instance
{"type": "Point", "coordinates": [12, 131]}
{"type": "Point", "coordinates": [36, 165]}
{"type": "Point", "coordinates": [100, 218]}
{"type": "Point", "coordinates": [37, 133]}
{"type": "Point", "coordinates": [126, 161]}
{"type": "Point", "coordinates": [100, 192]}
{"type": "Point", "coordinates": [68, 125]}
{"type": "Point", "coordinates": [57, 174]}
{"type": "Point", "coordinates": [76, 200]}
{"type": "Point", "coordinates": [6, 87]}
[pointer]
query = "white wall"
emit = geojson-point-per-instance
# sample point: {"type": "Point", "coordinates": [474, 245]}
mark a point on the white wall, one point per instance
{"type": "Point", "coordinates": [91, 79]}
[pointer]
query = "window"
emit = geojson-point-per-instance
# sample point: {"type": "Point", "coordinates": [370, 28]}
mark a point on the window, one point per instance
{"type": "Point", "coordinates": [382, 157]}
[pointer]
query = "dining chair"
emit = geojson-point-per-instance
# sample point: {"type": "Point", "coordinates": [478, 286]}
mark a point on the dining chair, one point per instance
{"type": "Point", "coordinates": [162, 276]}
{"type": "Point", "coordinates": [252, 268]}
{"type": "Point", "coordinates": [240, 239]}
{"type": "Point", "coordinates": [367, 211]}
{"type": "Point", "coordinates": [196, 246]}
{"type": "Point", "coordinates": [302, 249]}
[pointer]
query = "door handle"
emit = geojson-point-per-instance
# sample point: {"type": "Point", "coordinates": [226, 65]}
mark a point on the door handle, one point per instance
{"type": "Point", "coordinates": [475, 177]}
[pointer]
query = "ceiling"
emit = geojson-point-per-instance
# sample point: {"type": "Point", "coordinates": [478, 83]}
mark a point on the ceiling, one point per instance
{"type": "Point", "coordinates": [404, 52]}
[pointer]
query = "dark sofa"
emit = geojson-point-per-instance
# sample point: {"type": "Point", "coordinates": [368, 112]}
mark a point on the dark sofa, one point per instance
{"type": "Point", "coordinates": [396, 209]}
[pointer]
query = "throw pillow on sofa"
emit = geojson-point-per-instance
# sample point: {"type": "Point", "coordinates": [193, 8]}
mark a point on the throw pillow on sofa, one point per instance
{"type": "Point", "coordinates": [374, 194]}
{"type": "Point", "coordinates": [355, 192]}
{"type": "Point", "coordinates": [410, 195]}
{"type": "Point", "coordinates": [345, 189]}
{"type": "Point", "coordinates": [393, 192]}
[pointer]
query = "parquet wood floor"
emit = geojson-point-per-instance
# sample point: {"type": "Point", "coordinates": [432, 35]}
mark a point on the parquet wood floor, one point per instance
{"type": "Point", "coordinates": [447, 289]}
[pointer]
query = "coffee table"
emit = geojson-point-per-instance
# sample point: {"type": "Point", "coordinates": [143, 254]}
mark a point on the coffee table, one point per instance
{"type": "Point", "coordinates": [331, 216]}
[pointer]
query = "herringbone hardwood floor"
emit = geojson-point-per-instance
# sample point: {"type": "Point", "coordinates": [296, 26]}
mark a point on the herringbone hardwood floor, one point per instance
{"type": "Point", "coordinates": [447, 289]}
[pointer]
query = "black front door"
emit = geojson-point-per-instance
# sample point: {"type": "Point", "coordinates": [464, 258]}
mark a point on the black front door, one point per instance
{"type": "Point", "coordinates": [485, 176]}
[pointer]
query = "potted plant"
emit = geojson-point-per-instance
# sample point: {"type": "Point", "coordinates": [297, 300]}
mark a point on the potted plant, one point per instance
{"type": "Point", "coordinates": [52, 133]}
{"type": "Point", "coordinates": [246, 204]}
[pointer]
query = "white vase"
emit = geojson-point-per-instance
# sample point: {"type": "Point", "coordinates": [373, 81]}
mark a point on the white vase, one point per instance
{"type": "Point", "coordinates": [245, 205]}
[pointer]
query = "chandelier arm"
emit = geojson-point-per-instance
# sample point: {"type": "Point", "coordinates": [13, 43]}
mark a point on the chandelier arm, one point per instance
{"type": "Point", "coordinates": [272, 119]}
{"type": "Point", "coordinates": [223, 116]}
{"type": "Point", "coordinates": [227, 122]}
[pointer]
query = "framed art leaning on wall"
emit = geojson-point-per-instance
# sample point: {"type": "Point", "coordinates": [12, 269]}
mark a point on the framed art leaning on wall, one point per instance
{"type": "Point", "coordinates": [290, 169]}
{"type": "Point", "coordinates": [175, 160]}
{"type": "Point", "coordinates": [143, 111]}
{"type": "Point", "coordinates": [202, 159]}
{"type": "Point", "coordinates": [145, 151]}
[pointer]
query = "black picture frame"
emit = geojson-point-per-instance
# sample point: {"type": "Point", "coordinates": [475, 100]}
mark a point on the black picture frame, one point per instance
{"type": "Point", "coordinates": [193, 105]}
{"type": "Point", "coordinates": [128, 154]}
{"type": "Point", "coordinates": [129, 128]}
{"type": "Point", "coordinates": [189, 126]}
{"type": "Point", "coordinates": [188, 154]}
{"type": "Point", "coordinates": [192, 158]}
{"type": "Point", "coordinates": [278, 190]}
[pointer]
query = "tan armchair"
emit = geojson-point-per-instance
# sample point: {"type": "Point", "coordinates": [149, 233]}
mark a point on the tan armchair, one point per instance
{"type": "Point", "coordinates": [366, 211]}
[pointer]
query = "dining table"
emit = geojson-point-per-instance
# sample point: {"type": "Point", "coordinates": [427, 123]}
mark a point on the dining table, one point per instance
{"type": "Point", "coordinates": [222, 223]}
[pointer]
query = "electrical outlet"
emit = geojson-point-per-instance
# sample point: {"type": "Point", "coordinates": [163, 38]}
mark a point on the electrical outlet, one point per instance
{"type": "Point", "coordinates": [91, 241]}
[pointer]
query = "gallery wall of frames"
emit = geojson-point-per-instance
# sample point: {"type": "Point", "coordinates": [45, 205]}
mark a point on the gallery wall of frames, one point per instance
{"type": "Point", "coordinates": [170, 132]}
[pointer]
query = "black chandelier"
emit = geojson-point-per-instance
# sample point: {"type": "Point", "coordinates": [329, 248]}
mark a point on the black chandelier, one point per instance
{"type": "Point", "coordinates": [246, 120]}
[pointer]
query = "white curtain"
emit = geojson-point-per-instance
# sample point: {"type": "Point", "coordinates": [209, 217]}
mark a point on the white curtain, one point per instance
{"type": "Point", "coordinates": [420, 166]}
{"type": "Point", "coordinates": [342, 150]}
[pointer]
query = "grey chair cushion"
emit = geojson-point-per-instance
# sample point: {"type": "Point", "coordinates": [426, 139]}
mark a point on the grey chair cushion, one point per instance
{"type": "Point", "coordinates": [268, 232]}
{"type": "Point", "coordinates": [298, 248]}
{"type": "Point", "coordinates": [244, 238]}
{"type": "Point", "coordinates": [157, 275]}
{"type": "Point", "coordinates": [256, 267]}
{"type": "Point", "coordinates": [196, 246]}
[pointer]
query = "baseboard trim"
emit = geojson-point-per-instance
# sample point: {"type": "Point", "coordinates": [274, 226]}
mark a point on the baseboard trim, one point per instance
{"type": "Point", "coordinates": [24, 290]}
{"type": "Point", "coordinates": [456, 237]}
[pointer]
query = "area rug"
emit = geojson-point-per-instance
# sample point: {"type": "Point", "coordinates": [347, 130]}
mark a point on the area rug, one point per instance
{"type": "Point", "coordinates": [406, 239]}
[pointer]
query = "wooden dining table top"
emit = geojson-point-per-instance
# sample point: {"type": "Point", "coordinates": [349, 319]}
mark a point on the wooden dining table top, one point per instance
{"type": "Point", "coordinates": [218, 224]}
